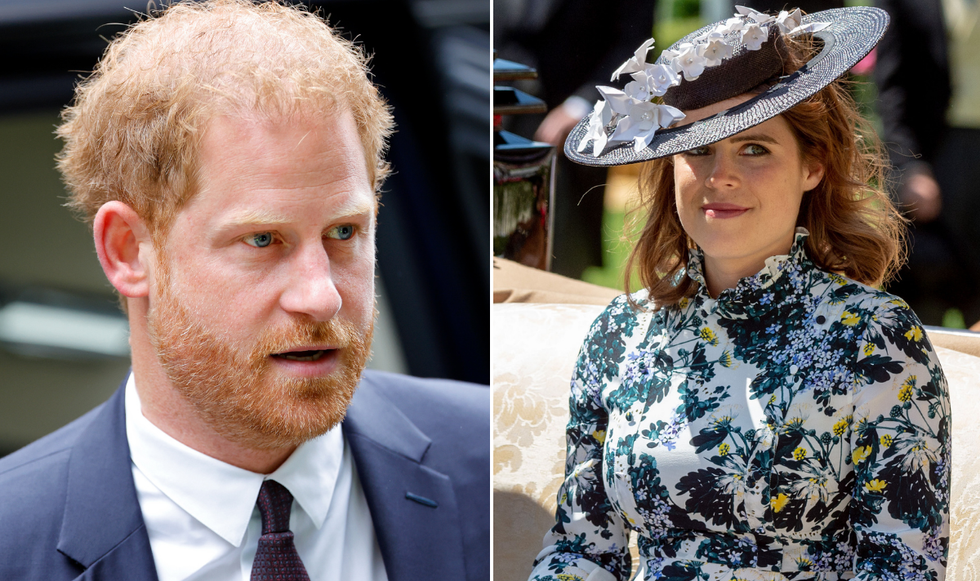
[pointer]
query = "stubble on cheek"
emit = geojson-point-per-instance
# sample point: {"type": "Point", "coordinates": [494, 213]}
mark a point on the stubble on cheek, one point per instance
{"type": "Point", "coordinates": [236, 389]}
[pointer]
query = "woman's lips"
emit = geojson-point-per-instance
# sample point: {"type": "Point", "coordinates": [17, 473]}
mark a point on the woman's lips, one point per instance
{"type": "Point", "coordinates": [723, 211]}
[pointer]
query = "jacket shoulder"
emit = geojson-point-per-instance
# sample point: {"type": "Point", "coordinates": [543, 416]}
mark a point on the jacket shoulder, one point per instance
{"type": "Point", "coordinates": [421, 399]}
{"type": "Point", "coordinates": [44, 450]}
{"type": "Point", "coordinates": [33, 486]}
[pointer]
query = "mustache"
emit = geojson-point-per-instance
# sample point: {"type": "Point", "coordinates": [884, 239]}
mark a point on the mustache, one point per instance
{"type": "Point", "coordinates": [303, 335]}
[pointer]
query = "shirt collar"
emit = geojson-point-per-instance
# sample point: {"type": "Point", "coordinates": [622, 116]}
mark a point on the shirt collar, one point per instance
{"type": "Point", "coordinates": [774, 268]}
{"type": "Point", "coordinates": [222, 496]}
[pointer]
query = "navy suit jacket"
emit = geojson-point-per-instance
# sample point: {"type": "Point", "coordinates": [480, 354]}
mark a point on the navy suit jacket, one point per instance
{"type": "Point", "coordinates": [68, 505]}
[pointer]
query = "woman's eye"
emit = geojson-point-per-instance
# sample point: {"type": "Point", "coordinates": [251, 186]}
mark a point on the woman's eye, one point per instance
{"type": "Point", "coordinates": [697, 151]}
{"type": "Point", "coordinates": [342, 232]}
{"type": "Point", "coordinates": [260, 240]}
{"type": "Point", "coordinates": [753, 149]}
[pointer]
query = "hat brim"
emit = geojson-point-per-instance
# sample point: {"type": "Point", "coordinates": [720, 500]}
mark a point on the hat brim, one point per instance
{"type": "Point", "coordinates": [850, 35]}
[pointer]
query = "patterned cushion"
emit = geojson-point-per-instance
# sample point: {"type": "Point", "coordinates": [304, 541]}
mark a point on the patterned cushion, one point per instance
{"type": "Point", "coordinates": [534, 351]}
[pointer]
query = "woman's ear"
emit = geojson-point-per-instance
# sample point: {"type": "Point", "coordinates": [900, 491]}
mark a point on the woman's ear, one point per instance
{"type": "Point", "coordinates": [120, 235]}
{"type": "Point", "coordinates": [813, 173]}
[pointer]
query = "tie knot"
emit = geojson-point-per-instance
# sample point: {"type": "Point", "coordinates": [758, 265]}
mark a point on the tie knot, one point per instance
{"type": "Point", "coordinates": [275, 503]}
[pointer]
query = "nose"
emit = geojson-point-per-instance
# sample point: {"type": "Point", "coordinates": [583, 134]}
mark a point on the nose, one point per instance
{"type": "Point", "coordinates": [723, 173]}
{"type": "Point", "coordinates": [310, 288]}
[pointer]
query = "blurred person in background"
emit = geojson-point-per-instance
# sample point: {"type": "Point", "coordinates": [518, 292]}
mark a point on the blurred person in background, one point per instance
{"type": "Point", "coordinates": [228, 156]}
{"type": "Point", "coordinates": [928, 79]}
{"type": "Point", "coordinates": [573, 44]}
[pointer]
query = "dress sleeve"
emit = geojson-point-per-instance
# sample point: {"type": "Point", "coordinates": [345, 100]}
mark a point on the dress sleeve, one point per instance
{"type": "Point", "coordinates": [900, 446]}
{"type": "Point", "coordinates": [589, 539]}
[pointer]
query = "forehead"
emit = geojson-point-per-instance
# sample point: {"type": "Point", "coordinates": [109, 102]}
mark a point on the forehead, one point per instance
{"type": "Point", "coordinates": [301, 165]}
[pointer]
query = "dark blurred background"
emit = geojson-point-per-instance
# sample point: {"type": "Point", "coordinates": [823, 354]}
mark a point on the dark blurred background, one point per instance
{"type": "Point", "coordinates": [62, 339]}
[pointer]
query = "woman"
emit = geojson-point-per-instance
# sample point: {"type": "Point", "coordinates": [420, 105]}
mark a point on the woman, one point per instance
{"type": "Point", "coordinates": [758, 410]}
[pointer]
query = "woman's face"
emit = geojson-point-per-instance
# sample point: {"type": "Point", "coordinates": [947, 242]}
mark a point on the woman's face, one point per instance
{"type": "Point", "coordinates": [738, 199]}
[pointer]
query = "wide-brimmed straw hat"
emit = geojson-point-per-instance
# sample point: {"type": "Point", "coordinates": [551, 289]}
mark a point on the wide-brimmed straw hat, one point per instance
{"type": "Point", "coordinates": [644, 121]}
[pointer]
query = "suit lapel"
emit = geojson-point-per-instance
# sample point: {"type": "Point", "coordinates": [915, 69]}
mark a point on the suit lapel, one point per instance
{"type": "Point", "coordinates": [417, 540]}
{"type": "Point", "coordinates": [102, 529]}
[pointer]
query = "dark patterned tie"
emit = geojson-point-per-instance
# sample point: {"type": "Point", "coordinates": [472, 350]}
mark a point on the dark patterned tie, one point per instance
{"type": "Point", "coordinates": [276, 558]}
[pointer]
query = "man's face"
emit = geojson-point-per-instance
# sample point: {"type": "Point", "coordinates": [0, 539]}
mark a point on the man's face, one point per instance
{"type": "Point", "coordinates": [263, 300]}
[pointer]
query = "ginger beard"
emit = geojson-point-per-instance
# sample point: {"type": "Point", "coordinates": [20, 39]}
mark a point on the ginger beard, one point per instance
{"type": "Point", "coordinates": [234, 387]}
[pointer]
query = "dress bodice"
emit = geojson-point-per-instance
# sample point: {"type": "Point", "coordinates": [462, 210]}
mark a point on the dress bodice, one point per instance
{"type": "Point", "coordinates": [795, 427]}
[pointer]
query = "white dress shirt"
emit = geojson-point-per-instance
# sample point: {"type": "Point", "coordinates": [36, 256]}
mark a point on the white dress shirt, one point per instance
{"type": "Point", "coordinates": [203, 523]}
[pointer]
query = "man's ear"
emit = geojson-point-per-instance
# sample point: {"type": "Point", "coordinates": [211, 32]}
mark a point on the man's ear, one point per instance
{"type": "Point", "coordinates": [119, 235]}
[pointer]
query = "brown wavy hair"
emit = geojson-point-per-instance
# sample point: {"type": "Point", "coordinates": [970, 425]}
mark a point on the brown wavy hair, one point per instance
{"type": "Point", "coordinates": [855, 229]}
{"type": "Point", "coordinates": [133, 131]}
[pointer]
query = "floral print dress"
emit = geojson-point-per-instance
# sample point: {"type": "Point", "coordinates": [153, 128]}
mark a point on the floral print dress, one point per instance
{"type": "Point", "coordinates": [798, 427]}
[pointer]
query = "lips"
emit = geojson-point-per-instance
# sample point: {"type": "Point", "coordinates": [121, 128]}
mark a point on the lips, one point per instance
{"type": "Point", "coordinates": [723, 211]}
{"type": "Point", "coordinates": [304, 355]}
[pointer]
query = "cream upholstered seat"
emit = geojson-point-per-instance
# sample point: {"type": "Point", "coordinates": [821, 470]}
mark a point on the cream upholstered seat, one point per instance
{"type": "Point", "coordinates": [534, 350]}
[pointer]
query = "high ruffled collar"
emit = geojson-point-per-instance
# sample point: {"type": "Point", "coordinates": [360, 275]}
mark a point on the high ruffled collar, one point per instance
{"type": "Point", "coordinates": [756, 290]}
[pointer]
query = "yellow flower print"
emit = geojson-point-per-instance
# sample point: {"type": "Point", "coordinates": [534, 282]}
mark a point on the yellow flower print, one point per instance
{"type": "Point", "coordinates": [869, 348]}
{"type": "Point", "coordinates": [723, 421]}
{"type": "Point", "coordinates": [803, 563]}
{"type": "Point", "coordinates": [723, 449]}
{"type": "Point", "coordinates": [726, 359]}
{"type": "Point", "coordinates": [840, 427]}
{"type": "Point", "coordinates": [836, 278]}
{"type": "Point", "coordinates": [772, 399]}
{"type": "Point", "coordinates": [683, 303]}
{"type": "Point", "coordinates": [886, 440]}
{"type": "Point", "coordinates": [850, 319]}
{"type": "Point", "coordinates": [875, 485]}
{"type": "Point", "coordinates": [914, 334]}
{"type": "Point", "coordinates": [778, 502]}
{"type": "Point", "coordinates": [568, 577]}
{"type": "Point", "coordinates": [600, 436]}
{"type": "Point", "coordinates": [794, 423]}
{"type": "Point", "coordinates": [905, 394]}
{"type": "Point", "coordinates": [860, 454]}
{"type": "Point", "coordinates": [799, 453]}
{"type": "Point", "coordinates": [708, 335]}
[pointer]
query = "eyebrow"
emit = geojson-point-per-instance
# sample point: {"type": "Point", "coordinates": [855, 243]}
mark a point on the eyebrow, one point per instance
{"type": "Point", "coordinates": [264, 218]}
{"type": "Point", "coordinates": [763, 137]}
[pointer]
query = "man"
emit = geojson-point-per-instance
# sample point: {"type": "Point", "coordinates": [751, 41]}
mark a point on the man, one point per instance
{"type": "Point", "coordinates": [228, 157]}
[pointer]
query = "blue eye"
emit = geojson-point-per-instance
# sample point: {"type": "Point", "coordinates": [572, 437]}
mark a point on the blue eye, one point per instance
{"type": "Point", "coordinates": [754, 149]}
{"type": "Point", "coordinates": [260, 240]}
{"type": "Point", "coordinates": [342, 232]}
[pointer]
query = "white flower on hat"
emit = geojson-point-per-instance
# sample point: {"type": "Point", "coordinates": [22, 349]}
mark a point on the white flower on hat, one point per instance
{"type": "Point", "coordinates": [788, 21]}
{"type": "Point", "coordinates": [651, 82]}
{"type": "Point", "coordinates": [636, 63]}
{"type": "Point", "coordinates": [688, 60]}
{"type": "Point", "coordinates": [661, 78]}
{"type": "Point", "coordinates": [649, 117]}
{"type": "Point", "coordinates": [716, 51]}
{"type": "Point", "coordinates": [618, 100]}
{"type": "Point", "coordinates": [600, 117]}
{"type": "Point", "coordinates": [669, 115]}
{"type": "Point", "coordinates": [638, 126]}
{"type": "Point", "coordinates": [733, 24]}
{"type": "Point", "coordinates": [810, 28]}
{"type": "Point", "coordinates": [638, 89]}
{"type": "Point", "coordinates": [754, 36]}
{"type": "Point", "coordinates": [754, 15]}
